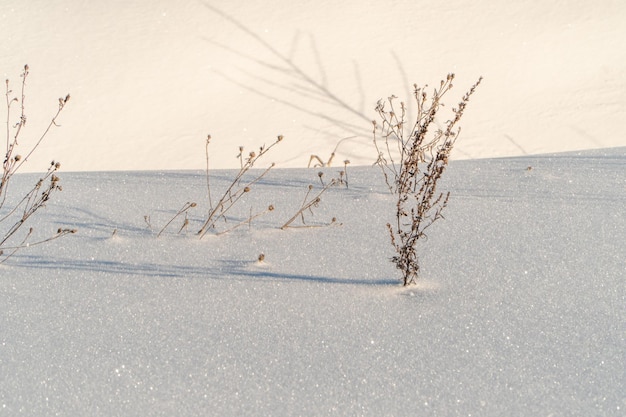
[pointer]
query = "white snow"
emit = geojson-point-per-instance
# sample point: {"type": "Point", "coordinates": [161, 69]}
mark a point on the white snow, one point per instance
{"type": "Point", "coordinates": [520, 307]}
{"type": "Point", "coordinates": [150, 79]}
{"type": "Point", "coordinates": [520, 310]}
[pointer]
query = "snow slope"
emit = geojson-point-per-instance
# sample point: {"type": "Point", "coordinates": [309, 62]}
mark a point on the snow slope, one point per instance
{"type": "Point", "coordinates": [520, 310]}
{"type": "Point", "coordinates": [150, 79]}
{"type": "Point", "coordinates": [521, 307]}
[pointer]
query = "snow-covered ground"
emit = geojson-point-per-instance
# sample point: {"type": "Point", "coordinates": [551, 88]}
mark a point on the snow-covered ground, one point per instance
{"type": "Point", "coordinates": [520, 309]}
{"type": "Point", "coordinates": [150, 79]}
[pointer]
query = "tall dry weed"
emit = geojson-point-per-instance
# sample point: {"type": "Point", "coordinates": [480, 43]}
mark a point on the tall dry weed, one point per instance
{"type": "Point", "coordinates": [412, 166]}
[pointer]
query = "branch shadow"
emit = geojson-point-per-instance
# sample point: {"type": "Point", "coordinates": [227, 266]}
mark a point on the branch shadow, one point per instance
{"type": "Point", "coordinates": [306, 84]}
{"type": "Point", "coordinates": [298, 79]}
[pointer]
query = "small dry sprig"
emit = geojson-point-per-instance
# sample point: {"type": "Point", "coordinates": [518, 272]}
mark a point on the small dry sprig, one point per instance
{"type": "Point", "coordinates": [188, 205]}
{"type": "Point", "coordinates": [412, 165]}
{"type": "Point", "coordinates": [33, 201]}
{"type": "Point", "coordinates": [238, 187]}
{"type": "Point", "coordinates": [322, 164]}
{"type": "Point", "coordinates": [248, 221]}
{"type": "Point", "coordinates": [308, 204]}
{"type": "Point", "coordinates": [185, 225]}
{"type": "Point", "coordinates": [24, 244]}
{"type": "Point", "coordinates": [208, 182]}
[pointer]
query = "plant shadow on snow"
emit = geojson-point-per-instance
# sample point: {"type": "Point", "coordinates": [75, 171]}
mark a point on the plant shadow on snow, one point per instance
{"type": "Point", "coordinates": [224, 271]}
{"type": "Point", "coordinates": [110, 267]}
{"type": "Point", "coordinates": [96, 223]}
{"type": "Point", "coordinates": [255, 270]}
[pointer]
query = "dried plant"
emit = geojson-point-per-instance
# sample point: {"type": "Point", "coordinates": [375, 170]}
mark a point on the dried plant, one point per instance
{"type": "Point", "coordinates": [343, 175]}
{"type": "Point", "coordinates": [320, 175]}
{"type": "Point", "coordinates": [208, 180]}
{"type": "Point", "coordinates": [412, 165]}
{"type": "Point", "coordinates": [248, 221]}
{"type": "Point", "coordinates": [188, 205]}
{"type": "Point", "coordinates": [15, 216]}
{"type": "Point", "coordinates": [307, 205]}
{"type": "Point", "coordinates": [322, 164]}
{"type": "Point", "coordinates": [238, 186]}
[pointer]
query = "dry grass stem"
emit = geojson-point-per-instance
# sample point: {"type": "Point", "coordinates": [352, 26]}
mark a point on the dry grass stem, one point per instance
{"type": "Point", "coordinates": [247, 221]}
{"type": "Point", "coordinates": [208, 181]}
{"type": "Point", "coordinates": [188, 205]}
{"type": "Point", "coordinates": [308, 204]}
{"type": "Point", "coordinates": [146, 218]}
{"type": "Point", "coordinates": [23, 244]}
{"type": "Point", "coordinates": [322, 164]}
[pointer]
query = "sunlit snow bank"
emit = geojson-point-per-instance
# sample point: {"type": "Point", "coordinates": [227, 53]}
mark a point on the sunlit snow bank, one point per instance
{"type": "Point", "coordinates": [520, 310]}
{"type": "Point", "coordinates": [150, 79]}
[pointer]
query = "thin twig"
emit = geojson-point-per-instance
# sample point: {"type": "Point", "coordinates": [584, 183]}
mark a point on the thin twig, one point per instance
{"type": "Point", "coordinates": [314, 201]}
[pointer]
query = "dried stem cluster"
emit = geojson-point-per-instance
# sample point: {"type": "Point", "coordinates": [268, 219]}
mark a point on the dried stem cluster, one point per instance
{"type": "Point", "coordinates": [15, 216]}
{"type": "Point", "coordinates": [242, 184]}
{"type": "Point", "coordinates": [412, 165]}
{"type": "Point", "coordinates": [237, 188]}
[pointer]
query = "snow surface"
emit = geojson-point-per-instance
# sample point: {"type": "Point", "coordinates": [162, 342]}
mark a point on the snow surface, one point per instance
{"type": "Point", "coordinates": [150, 79]}
{"type": "Point", "coordinates": [520, 310]}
